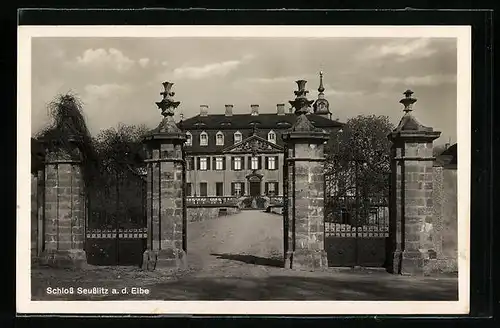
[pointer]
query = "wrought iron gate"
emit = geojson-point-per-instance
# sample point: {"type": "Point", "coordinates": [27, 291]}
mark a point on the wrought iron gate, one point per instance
{"type": "Point", "coordinates": [116, 230]}
{"type": "Point", "coordinates": [356, 226]}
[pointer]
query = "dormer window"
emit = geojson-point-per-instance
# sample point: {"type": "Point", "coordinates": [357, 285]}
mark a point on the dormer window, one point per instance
{"type": "Point", "coordinates": [189, 139]}
{"type": "Point", "coordinates": [271, 137]}
{"type": "Point", "coordinates": [283, 124]}
{"type": "Point", "coordinates": [219, 139]}
{"type": "Point", "coordinates": [237, 137]}
{"type": "Point", "coordinates": [203, 139]}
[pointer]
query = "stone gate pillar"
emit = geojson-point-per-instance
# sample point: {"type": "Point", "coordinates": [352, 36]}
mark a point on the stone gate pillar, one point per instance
{"type": "Point", "coordinates": [305, 167]}
{"type": "Point", "coordinates": [63, 208]}
{"type": "Point", "coordinates": [165, 190]}
{"type": "Point", "coordinates": [411, 207]}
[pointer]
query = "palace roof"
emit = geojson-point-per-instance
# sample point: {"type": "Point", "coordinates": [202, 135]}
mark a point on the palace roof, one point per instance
{"type": "Point", "coordinates": [246, 121]}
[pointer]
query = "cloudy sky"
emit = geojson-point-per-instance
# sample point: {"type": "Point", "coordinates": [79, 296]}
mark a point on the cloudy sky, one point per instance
{"type": "Point", "coordinates": [119, 79]}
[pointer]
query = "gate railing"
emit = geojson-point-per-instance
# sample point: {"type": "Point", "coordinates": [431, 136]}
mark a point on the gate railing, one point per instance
{"type": "Point", "coordinates": [356, 216]}
{"type": "Point", "coordinates": [104, 233]}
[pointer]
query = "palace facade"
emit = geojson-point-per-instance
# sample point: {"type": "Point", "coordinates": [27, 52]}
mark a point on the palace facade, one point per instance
{"type": "Point", "coordinates": [242, 154]}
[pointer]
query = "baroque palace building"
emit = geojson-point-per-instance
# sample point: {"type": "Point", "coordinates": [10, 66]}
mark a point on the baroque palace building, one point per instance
{"type": "Point", "coordinates": [242, 154]}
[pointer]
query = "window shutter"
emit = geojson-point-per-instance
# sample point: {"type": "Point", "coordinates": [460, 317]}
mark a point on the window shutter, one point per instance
{"type": "Point", "coordinates": [276, 162]}
{"type": "Point", "coordinates": [208, 163]}
{"type": "Point", "coordinates": [232, 163]}
{"type": "Point", "coordinates": [267, 163]}
{"type": "Point", "coordinates": [276, 190]}
{"type": "Point", "coordinates": [267, 188]}
{"type": "Point", "coordinates": [232, 189]}
{"type": "Point", "coordinates": [224, 163]}
{"type": "Point", "coordinates": [243, 189]}
{"type": "Point", "coordinates": [214, 164]}
{"type": "Point", "coordinates": [260, 162]}
{"type": "Point", "coordinates": [242, 162]}
{"type": "Point", "coordinates": [198, 163]}
{"type": "Point", "coordinates": [249, 162]}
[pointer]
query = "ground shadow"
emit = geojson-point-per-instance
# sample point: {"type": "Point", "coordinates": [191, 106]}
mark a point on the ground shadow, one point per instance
{"type": "Point", "coordinates": [251, 259]}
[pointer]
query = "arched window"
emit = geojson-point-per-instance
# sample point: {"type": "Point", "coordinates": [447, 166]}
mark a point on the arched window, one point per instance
{"type": "Point", "coordinates": [219, 139]}
{"type": "Point", "coordinates": [189, 139]}
{"type": "Point", "coordinates": [271, 137]}
{"type": "Point", "coordinates": [237, 137]}
{"type": "Point", "coordinates": [203, 139]}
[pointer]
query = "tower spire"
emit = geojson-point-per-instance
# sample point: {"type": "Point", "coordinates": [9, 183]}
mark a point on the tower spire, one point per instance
{"type": "Point", "coordinates": [321, 89]}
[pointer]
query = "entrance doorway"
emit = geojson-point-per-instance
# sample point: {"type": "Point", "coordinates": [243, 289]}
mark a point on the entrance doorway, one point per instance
{"type": "Point", "coordinates": [255, 188]}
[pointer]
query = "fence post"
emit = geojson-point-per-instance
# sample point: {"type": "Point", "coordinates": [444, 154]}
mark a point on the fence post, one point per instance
{"type": "Point", "coordinates": [166, 199]}
{"type": "Point", "coordinates": [305, 162]}
{"type": "Point", "coordinates": [411, 206]}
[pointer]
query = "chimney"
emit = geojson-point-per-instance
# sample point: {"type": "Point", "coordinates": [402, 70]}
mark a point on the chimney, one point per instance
{"type": "Point", "coordinates": [203, 110]}
{"type": "Point", "coordinates": [229, 110]}
{"type": "Point", "coordinates": [255, 109]}
{"type": "Point", "coordinates": [280, 109]}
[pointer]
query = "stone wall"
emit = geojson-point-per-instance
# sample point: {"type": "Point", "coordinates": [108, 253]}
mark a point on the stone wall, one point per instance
{"type": "Point", "coordinates": [208, 213]}
{"type": "Point", "coordinates": [444, 234]}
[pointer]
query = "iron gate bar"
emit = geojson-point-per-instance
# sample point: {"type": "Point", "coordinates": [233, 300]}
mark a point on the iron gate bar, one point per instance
{"type": "Point", "coordinates": [299, 159]}
{"type": "Point", "coordinates": [167, 160]}
{"type": "Point", "coordinates": [117, 241]}
{"type": "Point", "coordinates": [414, 158]}
{"type": "Point", "coordinates": [293, 201]}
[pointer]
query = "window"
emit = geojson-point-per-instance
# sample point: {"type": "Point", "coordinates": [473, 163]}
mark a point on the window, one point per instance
{"type": "Point", "coordinates": [203, 189]}
{"type": "Point", "coordinates": [203, 164]}
{"type": "Point", "coordinates": [271, 188]}
{"type": "Point", "coordinates": [237, 163]}
{"type": "Point", "coordinates": [203, 139]}
{"type": "Point", "coordinates": [237, 137]}
{"type": "Point", "coordinates": [188, 189]}
{"type": "Point", "coordinates": [219, 189]}
{"type": "Point", "coordinates": [272, 163]}
{"type": "Point", "coordinates": [219, 163]}
{"type": "Point", "coordinates": [219, 139]}
{"type": "Point", "coordinates": [190, 163]}
{"type": "Point", "coordinates": [271, 137]}
{"type": "Point", "coordinates": [237, 189]}
{"type": "Point", "coordinates": [189, 139]}
{"type": "Point", "coordinates": [255, 163]}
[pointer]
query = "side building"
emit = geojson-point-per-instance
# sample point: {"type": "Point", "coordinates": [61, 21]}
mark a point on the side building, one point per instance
{"type": "Point", "coordinates": [234, 155]}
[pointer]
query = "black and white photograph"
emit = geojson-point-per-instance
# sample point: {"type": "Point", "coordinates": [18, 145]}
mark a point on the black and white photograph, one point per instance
{"type": "Point", "coordinates": [243, 169]}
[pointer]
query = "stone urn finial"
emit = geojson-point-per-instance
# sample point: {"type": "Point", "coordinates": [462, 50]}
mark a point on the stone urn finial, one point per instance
{"type": "Point", "coordinates": [301, 103]}
{"type": "Point", "coordinates": [408, 101]}
{"type": "Point", "coordinates": [166, 92]}
{"type": "Point", "coordinates": [167, 104]}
